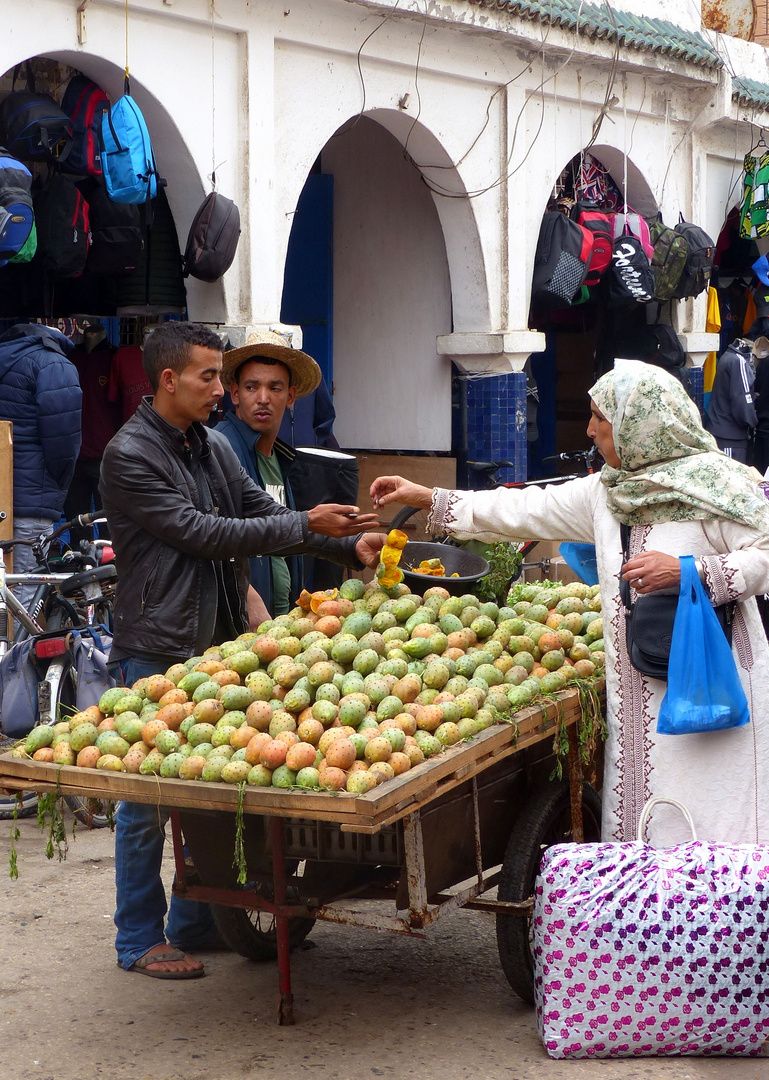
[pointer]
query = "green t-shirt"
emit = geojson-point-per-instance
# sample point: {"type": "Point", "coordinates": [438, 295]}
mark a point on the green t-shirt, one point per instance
{"type": "Point", "coordinates": [272, 478]}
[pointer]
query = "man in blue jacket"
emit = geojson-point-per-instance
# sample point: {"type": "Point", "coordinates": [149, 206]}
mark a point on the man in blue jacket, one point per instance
{"type": "Point", "coordinates": [40, 394]}
{"type": "Point", "coordinates": [265, 377]}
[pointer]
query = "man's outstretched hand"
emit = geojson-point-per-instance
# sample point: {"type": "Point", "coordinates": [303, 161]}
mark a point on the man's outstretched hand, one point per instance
{"type": "Point", "coordinates": [332, 519]}
{"type": "Point", "coordinates": [368, 548]}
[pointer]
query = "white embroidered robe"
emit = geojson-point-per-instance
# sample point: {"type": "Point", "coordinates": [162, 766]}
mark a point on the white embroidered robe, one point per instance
{"type": "Point", "coordinates": [722, 777]}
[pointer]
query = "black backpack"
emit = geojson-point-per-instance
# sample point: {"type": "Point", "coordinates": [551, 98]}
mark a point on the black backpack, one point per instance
{"type": "Point", "coordinates": [700, 250]}
{"type": "Point", "coordinates": [213, 238]}
{"type": "Point", "coordinates": [630, 276]}
{"type": "Point", "coordinates": [117, 240]}
{"type": "Point", "coordinates": [561, 260]}
{"type": "Point", "coordinates": [61, 216]}
{"type": "Point", "coordinates": [85, 103]}
{"type": "Point", "coordinates": [32, 126]}
{"type": "Point", "coordinates": [656, 344]}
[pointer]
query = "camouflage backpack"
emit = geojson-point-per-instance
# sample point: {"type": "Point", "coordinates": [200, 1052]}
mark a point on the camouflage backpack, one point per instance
{"type": "Point", "coordinates": [668, 259]}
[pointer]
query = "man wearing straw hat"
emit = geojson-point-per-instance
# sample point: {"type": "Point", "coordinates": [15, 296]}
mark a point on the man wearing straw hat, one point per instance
{"type": "Point", "coordinates": [265, 377]}
{"type": "Point", "coordinates": [183, 519]}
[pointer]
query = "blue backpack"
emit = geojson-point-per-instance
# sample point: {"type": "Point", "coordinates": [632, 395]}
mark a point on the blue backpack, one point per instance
{"type": "Point", "coordinates": [16, 217]}
{"type": "Point", "coordinates": [127, 159]}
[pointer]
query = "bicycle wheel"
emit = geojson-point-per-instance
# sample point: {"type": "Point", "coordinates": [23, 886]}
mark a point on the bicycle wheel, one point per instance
{"type": "Point", "coordinates": [413, 521]}
{"type": "Point", "coordinates": [93, 813]}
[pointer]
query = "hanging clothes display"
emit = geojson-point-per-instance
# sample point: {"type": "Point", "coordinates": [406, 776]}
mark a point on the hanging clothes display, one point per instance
{"type": "Point", "coordinates": [755, 202]}
{"type": "Point", "coordinates": [712, 326]}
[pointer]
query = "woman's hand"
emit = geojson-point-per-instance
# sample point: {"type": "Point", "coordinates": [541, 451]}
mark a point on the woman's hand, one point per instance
{"type": "Point", "coordinates": [390, 489]}
{"type": "Point", "coordinates": [652, 571]}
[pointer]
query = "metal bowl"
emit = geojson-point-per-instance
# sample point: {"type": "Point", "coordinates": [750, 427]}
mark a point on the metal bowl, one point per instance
{"type": "Point", "coordinates": [470, 567]}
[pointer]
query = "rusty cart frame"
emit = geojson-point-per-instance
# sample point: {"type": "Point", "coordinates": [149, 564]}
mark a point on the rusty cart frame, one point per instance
{"type": "Point", "coordinates": [435, 839]}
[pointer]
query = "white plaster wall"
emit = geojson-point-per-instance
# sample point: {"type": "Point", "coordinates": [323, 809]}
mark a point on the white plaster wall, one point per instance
{"type": "Point", "coordinates": [391, 298]}
{"type": "Point", "coordinates": [287, 78]}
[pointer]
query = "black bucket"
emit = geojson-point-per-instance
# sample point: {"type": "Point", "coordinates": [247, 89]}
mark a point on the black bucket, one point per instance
{"type": "Point", "coordinates": [470, 567]}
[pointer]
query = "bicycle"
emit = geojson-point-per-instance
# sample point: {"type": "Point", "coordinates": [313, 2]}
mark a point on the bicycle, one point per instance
{"type": "Point", "coordinates": [65, 601]}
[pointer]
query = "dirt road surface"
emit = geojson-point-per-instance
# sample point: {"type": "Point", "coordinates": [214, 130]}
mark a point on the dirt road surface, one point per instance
{"type": "Point", "coordinates": [367, 1004]}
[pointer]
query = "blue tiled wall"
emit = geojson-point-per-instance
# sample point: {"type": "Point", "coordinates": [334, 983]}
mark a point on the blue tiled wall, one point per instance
{"type": "Point", "coordinates": [697, 386]}
{"type": "Point", "coordinates": [496, 424]}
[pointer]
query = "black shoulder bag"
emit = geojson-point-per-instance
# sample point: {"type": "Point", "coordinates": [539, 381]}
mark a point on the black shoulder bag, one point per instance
{"type": "Point", "coordinates": [649, 623]}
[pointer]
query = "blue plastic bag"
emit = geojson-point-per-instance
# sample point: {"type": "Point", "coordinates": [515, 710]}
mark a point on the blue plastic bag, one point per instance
{"type": "Point", "coordinates": [704, 689]}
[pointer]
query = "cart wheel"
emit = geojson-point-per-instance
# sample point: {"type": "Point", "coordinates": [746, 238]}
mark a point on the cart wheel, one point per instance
{"type": "Point", "coordinates": [253, 933]}
{"type": "Point", "coordinates": [25, 807]}
{"type": "Point", "coordinates": [545, 821]}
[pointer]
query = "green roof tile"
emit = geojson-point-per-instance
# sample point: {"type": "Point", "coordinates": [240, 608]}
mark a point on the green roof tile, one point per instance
{"type": "Point", "coordinates": [751, 93]}
{"type": "Point", "coordinates": [631, 31]}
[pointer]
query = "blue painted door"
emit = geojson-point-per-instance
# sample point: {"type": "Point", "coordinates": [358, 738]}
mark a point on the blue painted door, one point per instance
{"type": "Point", "coordinates": [308, 282]}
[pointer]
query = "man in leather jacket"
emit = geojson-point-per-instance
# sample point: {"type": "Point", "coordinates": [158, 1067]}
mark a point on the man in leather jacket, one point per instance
{"type": "Point", "coordinates": [184, 519]}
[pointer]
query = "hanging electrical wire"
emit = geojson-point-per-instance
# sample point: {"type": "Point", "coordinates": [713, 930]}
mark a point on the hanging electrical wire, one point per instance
{"type": "Point", "coordinates": [344, 130]}
{"type": "Point", "coordinates": [416, 78]}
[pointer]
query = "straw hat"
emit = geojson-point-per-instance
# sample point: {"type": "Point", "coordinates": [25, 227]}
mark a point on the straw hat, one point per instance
{"type": "Point", "coordinates": [761, 348]}
{"type": "Point", "coordinates": [305, 373]}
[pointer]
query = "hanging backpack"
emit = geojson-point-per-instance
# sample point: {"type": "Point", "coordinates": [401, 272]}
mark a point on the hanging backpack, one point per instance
{"type": "Point", "coordinates": [700, 250]}
{"type": "Point", "coordinates": [591, 218]}
{"type": "Point", "coordinates": [630, 278]}
{"type": "Point", "coordinates": [85, 103]}
{"type": "Point", "coordinates": [61, 215]}
{"type": "Point", "coordinates": [16, 216]}
{"type": "Point", "coordinates": [213, 238]}
{"type": "Point", "coordinates": [668, 259]}
{"type": "Point", "coordinates": [127, 158]}
{"type": "Point", "coordinates": [117, 240]}
{"type": "Point", "coordinates": [638, 227]}
{"type": "Point", "coordinates": [32, 126]}
{"type": "Point", "coordinates": [561, 260]}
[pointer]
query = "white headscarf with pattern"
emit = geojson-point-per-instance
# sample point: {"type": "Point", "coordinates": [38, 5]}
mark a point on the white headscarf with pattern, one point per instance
{"type": "Point", "coordinates": [671, 468]}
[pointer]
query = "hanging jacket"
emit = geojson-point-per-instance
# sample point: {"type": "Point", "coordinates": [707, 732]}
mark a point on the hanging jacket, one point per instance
{"type": "Point", "coordinates": [731, 413]}
{"type": "Point", "coordinates": [40, 394]}
{"type": "Point", "coordinates": [244, 442]}
{"type": "Point", "coordinates": [156, 286]}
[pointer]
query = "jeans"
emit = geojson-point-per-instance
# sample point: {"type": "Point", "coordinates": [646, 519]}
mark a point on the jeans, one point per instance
{"type": "Point", "coordinates": [141, 898]}
{"type": "Point", "coordinates": [27, 528]}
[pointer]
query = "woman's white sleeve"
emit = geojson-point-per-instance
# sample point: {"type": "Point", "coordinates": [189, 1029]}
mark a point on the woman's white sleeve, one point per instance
{"type": "Point", "coordinates": [553, 512]}
{"type": "Point", "coordinates": [743, 569]}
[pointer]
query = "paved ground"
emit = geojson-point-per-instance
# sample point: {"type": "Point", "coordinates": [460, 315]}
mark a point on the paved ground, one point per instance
{"type": "Point", "coordinates": [368, 1005]}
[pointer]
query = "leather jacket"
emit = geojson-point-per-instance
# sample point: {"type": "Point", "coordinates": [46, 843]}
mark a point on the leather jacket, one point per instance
{"type": "Point", "coordinates": [177, 503]}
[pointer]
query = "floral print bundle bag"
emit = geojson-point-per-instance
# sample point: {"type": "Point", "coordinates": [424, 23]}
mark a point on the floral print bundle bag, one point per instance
{"type": "Point", "coordinates": [641, 951]}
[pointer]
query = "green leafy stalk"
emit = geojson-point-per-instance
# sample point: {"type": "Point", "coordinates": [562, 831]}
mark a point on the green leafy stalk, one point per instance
{"type": "Point", "coordinates": [504, 560]}
{"type": "Point", "coordinates": [50, 816]}
{"type": "Point", "coordinates": [239, 857]}
{"type": "Point", "coordinates": [561, 740]}
{"type": "Point", "coordinates": [13, 868]}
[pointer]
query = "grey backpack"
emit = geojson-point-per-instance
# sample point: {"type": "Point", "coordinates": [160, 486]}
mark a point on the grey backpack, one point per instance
{"type": "Point", "coordinates": [213, 238]}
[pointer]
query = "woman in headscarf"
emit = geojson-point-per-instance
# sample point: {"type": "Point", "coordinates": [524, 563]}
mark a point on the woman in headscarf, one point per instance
{"type": "Point", "coordinates": [665, 478]}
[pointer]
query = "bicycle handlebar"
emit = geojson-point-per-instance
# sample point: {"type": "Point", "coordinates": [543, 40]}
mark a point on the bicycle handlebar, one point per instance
{"type": "Point", "coordinates": [81, 522]}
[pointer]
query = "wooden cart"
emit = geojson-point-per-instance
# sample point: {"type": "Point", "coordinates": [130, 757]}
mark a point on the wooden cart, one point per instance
{"type": "Point", "coordinates": [434, 839]}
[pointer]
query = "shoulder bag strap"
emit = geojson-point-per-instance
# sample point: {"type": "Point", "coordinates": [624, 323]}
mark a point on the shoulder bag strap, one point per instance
{"type": "Point", "coordinates": [624, 586]}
